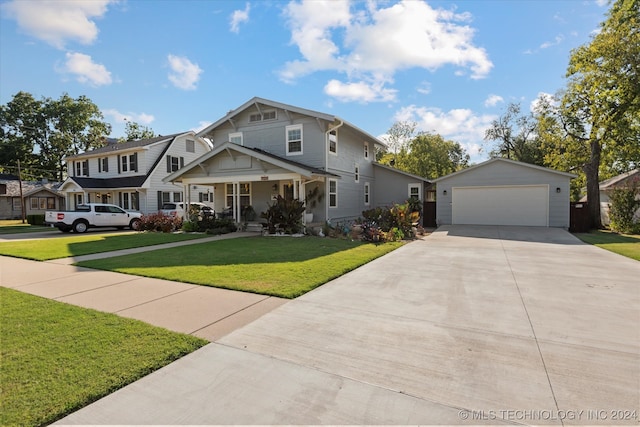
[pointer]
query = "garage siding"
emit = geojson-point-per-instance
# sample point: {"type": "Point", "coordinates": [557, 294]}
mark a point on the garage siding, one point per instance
{"type": "Point", "coordinates": [501, 172]}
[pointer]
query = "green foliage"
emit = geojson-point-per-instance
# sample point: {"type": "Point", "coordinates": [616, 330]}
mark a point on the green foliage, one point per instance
{"type": "Point", "coordinates": [593, 126]}
{"type": "Point", "coordinates": [284, 215]}
{"type": "Point", "coordinates": [624, 204]}
{"type": "Point", "coordinates": [40, 133]}
{"type": "Point", "coordinates": [160, 222]}
{"type": "Point", "coordinates": [135, 131]}
{"type": "Point", "coordinates": [389, 224]}
{"type": "Point", "coordinates": [516, 135]}
{"type": "Point", "coordinates": [35, 219]}
{"type": "Point", "coordinates": [428, 155]}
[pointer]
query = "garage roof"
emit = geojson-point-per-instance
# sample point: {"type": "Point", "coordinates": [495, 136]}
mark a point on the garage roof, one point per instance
{"type": "Point", "coordinates": [499, 159]}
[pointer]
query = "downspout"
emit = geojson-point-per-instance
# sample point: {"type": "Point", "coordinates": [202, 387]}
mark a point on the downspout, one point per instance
{"type": "Point", "coordinates": [326, 167]}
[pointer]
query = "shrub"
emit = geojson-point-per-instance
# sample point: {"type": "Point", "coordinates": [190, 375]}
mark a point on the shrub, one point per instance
{"type": "Point", "coordinates": [285, 215]}
{"type": "Point", "coordinates": [35, 219]}
{"type": "Point", "coordinates": [160, 222]}
{"type": "Point", "coordinates": [624, 204]}
{"type": "Point", "coordinates": [389, 224]}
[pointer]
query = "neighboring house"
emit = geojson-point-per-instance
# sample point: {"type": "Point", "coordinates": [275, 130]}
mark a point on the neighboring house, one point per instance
{"type": "Point", "coordinates": [621, 181]}
{"type": "Point", "coordinates": [131, 174]}
{"type": "Point", "coordinates": [264, 149]}
{"type": "Point", "coordinates": [39, 196]}
{"type": "Point", "coordinates": [504, 192]}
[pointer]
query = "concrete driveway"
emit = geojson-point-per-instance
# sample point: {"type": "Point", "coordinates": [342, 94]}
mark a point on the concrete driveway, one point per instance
{"type": "Point", "coordinates": [471, 325]}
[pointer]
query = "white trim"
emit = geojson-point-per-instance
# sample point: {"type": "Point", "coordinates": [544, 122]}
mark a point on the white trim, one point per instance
{"type": "Point", "coordinates": [366, 154]}
{"type": "Point", "coordinates": [356, 172]}
{"type": "Point", "coordinates": [329, 181]}
{"type": "Point", "coordinates": [335, 140]}
{"type": "Point", "coordinates": [367, 194]}
{"type": "Point", "coordinates": [415, 185]}
{"type": "Point", "coordinates": [286, 138]}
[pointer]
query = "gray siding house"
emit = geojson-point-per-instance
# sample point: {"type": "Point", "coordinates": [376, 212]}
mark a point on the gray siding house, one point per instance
{"type": "Point", "coordinates": [504, 192]}
{"type": "Point", "coordinates": [131, 174]}
{"type": "Point", "coordinates": [39, 197]}
{"type": "Point", "coordinates": [264, 149]}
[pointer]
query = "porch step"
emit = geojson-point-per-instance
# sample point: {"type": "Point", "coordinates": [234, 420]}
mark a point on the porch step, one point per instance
{"type": "Point", "coordinates": [254, 226]}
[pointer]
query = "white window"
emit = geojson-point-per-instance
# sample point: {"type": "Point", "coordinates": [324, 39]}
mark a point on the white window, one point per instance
{"type": "Point", "coordinates": [103, 164]}
{"type": "Point", "coordinates": [255, 117]}
{"type": "Point", "coordinates": [190, 146]}
{"type": "Point", "coordinates": [333, 193]}
{"type": "Point", "coordinates": [333, 142]}
{"type": "Point", "coordinates": [356, 172]}
{"type": "Point", "coordinates": [166, 197]}
{"type": "Point", "coordinates": [17, 204]}
{"type": "Point", "coordinates": [294, 140]}
{"type": "Point", "coordinates": [366, 150]}
{"type": "Point", "coordinates": [177, 196]}
{"type": "Point", "coordinates": [236, 138]}
{"type": "Point", "coordinates": [415, 190]}
{"type": "Point", "coordinates": [269, 115]}
{"type": "Point", "coordinates": [82, 168]}
{"type": "Point", "coordinates": [367, 189]}
{"type": "Point", "coordinates": [125, 163]}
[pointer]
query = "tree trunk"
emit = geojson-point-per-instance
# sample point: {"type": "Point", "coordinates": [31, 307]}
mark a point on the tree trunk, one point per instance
{"type": "Point", "coordinates": [591, 170]}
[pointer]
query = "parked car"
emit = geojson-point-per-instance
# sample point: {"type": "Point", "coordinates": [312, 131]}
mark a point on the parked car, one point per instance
{"type": "Point", "coordinates": [177, 209]}
{"type": "Point", "coordinates": [92, 215]}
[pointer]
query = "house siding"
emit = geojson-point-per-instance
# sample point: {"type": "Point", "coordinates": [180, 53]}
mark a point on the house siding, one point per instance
{"type": "Point", "coordinates": [501, 174]}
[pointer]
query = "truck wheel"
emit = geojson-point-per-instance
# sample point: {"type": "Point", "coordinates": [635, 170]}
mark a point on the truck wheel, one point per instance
{"type": "Point", "coordinates": [80, 226]}
{"type": "Point", "coordinates": [135, 224]}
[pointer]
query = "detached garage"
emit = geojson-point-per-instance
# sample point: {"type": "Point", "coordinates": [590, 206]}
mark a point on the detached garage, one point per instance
{"type": "Point", "coordinates": [504, 192]}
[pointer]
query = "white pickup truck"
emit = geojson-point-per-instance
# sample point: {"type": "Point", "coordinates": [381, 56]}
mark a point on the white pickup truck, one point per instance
{"type": "Point", "coordinates": [92, 215]}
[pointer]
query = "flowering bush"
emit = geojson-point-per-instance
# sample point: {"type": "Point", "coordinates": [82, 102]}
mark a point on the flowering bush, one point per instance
{"type": "Point", "coordinates": [160, 222]}
{"type": "Point", "coordinates": [389, 224]}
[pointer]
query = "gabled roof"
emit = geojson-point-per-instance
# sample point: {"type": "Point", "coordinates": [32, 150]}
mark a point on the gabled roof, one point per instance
{"type": "Point", "coordinates": [30, 187]}
{"type": "Point", "coordinates": [257, 153]}
{"type": "Point", "coordinates": [500, 159]}
{"type": "Point", "coordinates": [110, 148]}
{"type": "Point", "coordinates": [392, 169]}
{"type": "Point", "coordinates": [619, 180]}
{"type": "Point", "coordinates": [286, 107]}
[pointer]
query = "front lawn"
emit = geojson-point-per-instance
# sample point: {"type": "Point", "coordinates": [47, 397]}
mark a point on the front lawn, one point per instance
{"type": "Point", "coordinates": [281, 266]}
{"type": "Point", "coordinates": [57, 358]}
{"type": "Point", "coordinates": [15, 226]}
{"type": "Point", "coordinates": [623, 244]}
{"type": "Point", "coordinates": [63, 247]}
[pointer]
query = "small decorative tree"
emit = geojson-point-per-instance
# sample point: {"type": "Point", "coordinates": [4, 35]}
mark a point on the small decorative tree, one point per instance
{"type": "Point", "coordinates": [285, 215]}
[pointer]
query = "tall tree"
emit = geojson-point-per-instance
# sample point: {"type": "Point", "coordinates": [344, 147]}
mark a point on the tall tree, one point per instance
{"type": "Point", "coordinates": [598, 113]}
{"type": "Point", "coordinates": [397, 138]}
{"type": "Point", "coordinates": [430, 156]}
{"type": "Point", "coordinates": [516, 136]}
{"type": "Point", "coordinates": [55, 128]}
{"type": "Point", "coordinates": [135, 131]}
{"type": "Point", "coordinates": [17, 133]}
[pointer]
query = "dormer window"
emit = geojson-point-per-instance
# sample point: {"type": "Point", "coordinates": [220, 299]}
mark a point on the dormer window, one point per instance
{"type": "Point", "coordinates": [294, 140]}
{"type": "Point", "coordinates": [236, 138]}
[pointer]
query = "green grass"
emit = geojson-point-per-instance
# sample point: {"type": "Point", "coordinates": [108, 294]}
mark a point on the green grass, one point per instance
{"type": "Point", "coordinates": [15, 226]}
{"type": "Point", "coordinates": [281, 266]}
{"type": "Point", "coordinates": [57, 358]}
{"type": "Point", "coordinates": [62, 247]}
{"type": "Point", "coordinates": [623, 244]}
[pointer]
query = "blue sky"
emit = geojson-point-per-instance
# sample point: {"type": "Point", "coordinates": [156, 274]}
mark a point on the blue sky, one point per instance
{"type": "Point", "coordinates": [450, 66]}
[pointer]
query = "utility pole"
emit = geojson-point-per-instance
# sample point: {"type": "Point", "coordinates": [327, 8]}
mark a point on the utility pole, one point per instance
{"type": "Point", "coordinates": [21, 195]}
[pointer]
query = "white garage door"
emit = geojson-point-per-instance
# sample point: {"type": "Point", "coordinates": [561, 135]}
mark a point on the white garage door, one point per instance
{"type": "Point", "coordinates": [503, 205]}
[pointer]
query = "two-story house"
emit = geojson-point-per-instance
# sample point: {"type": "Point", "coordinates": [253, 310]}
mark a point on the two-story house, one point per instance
{"type": "Point", "coordinates": [263, 149]}
{"type": "Point", "coordinates": [131, 174]}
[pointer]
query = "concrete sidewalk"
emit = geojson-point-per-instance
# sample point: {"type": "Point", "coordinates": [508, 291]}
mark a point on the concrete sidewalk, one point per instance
{"type": "Point", "coordinates": [472, 325]}
{"type": "Point", "coordinates": [203, 311]}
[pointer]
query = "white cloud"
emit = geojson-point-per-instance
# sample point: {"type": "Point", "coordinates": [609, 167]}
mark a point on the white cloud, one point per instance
{"type": "Point", "coordinates": [118, 117]}
{"type": "Point", "coordinates": [238, 17]}
{"type": "Point", "coordinates": [184, 73]}
{"type": "Point", "coordinates": [459, 125]}
{"type": "Point", "coordinates": [374, 43]}
{"type": "Point", "coordinates": [85, 70]}
{"type": "Point", "coordinates": [493, 100]}
{"type": "Point", "coordinates": [359, 91]}
{"type": "Point", "coordinates": [559, 38]}
{"type": "Point", "coordinates": [542, 97]}
{"type": "Point", "coordinates": [58, 21]}
{"type": "Point", "coordinates": [424, 88]}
